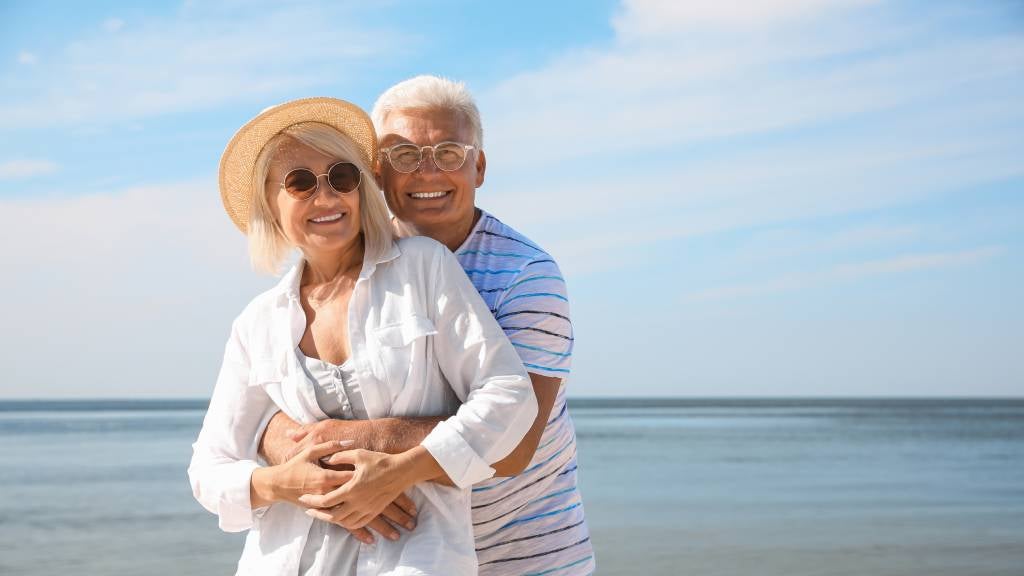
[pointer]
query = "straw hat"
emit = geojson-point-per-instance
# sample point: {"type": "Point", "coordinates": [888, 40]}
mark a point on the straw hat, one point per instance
{"type": "Point", "coordinates": [236, 165]}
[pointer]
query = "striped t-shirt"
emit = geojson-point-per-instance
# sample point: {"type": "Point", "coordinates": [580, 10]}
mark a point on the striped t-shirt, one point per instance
{"type": "Point", "coordinates": [532, 523]}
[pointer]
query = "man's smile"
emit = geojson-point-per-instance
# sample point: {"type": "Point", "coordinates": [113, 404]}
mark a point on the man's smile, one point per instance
{"type": "Point", "coordinates": [429, 195]}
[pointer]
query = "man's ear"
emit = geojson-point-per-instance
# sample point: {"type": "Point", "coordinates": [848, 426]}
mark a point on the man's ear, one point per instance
{"type": "Point", "coordinates": [481, 167]}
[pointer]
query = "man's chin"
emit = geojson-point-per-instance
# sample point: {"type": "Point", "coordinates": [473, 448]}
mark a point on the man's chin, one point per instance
{"type": "Point", "coordinates": [427, 215]}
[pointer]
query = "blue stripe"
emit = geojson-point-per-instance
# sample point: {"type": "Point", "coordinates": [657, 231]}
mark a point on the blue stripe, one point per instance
{"type": "Point", "coordinates": [539, 349]}
{"type": "Point", "coordinates": [546, 444]}
{"type": "Point", "coordinates": [531, 536]}
{"type": "Point", "coordinates": [565, 406]}
{"type": "Point", "coordinates": [546, 368]}
{"type": "Point", "coordinates": [525, 472]}
{"type": "Point", "coordinates": [552, 495]}
{"type": "Point", "coordinates": [539, 516]}
{"type": "Point", "coordinates": [559, 296]}
{"type": "Point", "coordinates": [532, 278]}
{"type": "Point", "coordinates": [485, 253]}
{"type": "Point", "coordinates": [475, 271]}
{"type": "Point", "coordinates": [569, 565]}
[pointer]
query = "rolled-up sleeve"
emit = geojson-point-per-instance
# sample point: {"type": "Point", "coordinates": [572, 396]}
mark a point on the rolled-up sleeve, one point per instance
{"type": "Point", "coordinates": [485, 372]}
{"type": "Point", "coordinates": [225, 454]}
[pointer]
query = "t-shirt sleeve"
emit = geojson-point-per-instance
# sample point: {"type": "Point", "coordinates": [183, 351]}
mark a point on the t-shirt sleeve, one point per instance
{"type": "Point", "coordinates": [534, 313]}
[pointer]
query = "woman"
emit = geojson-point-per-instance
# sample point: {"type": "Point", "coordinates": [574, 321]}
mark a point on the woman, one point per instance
{"type": "Point", "coordinates": [351, 332]}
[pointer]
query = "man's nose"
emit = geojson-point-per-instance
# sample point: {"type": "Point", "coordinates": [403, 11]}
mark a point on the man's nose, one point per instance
{"type": "Point", "coordinates": [427, 164]}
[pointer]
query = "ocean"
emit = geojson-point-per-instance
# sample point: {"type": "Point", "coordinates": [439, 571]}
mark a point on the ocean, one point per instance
{"type": "Point", "coordinates": [671, 487]}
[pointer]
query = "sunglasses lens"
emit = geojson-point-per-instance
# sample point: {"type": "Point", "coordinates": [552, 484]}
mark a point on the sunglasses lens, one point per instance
{"type": "Point", "coordinates": [300, 183]}
{"type": "Point", "coordinates": [344, 177]}
{"type": "Point", "coordinates": [449, 156]}
{"type": "Point", "coordinates": [405, 158]}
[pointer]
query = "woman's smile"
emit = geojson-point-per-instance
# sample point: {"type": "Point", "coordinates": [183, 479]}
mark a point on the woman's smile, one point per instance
{"type": "Point", "coordinates": [327, 218]}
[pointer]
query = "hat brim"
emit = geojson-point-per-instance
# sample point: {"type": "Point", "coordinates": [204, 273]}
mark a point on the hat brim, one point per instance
{"type": "Point", "coordinates": [239, 158]}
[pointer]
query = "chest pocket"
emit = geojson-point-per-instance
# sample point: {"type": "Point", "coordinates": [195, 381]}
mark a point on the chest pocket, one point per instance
{"type": "Point", "coordinates": [403, 348]}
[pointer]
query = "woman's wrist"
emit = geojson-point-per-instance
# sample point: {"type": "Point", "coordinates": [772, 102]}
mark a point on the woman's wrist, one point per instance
{"type": "Point", "coordinates": [261, 487]}
{"type": "Point", "coordinates": [417, 465]}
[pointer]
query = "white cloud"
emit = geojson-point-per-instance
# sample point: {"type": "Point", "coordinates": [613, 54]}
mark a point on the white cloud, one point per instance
{"type": "Point", "coordinates": [627, 99]}
{"type": "Point", "coordinates": [646, 18]}
{"type": "Point", "coordinates": [191, 61]}
{"type": "Point", "coordinates": [849, 272]}
{"type": "Point", "coordinates": [827, 109]}
{"type": "Point", "coordinates": [27, 58]}
{"type": "Point", "coordinates": [698, 119]}
{"type": "Point", "coordinates": [129, 293]}
{"type": "Point", "coordinates": [25, 168]}
{"type": "Point", "coordinates": [113, 24]}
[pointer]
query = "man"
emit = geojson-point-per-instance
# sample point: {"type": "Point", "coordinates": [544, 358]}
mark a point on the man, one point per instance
{"type": "Point", "coordinates": [529, 519]}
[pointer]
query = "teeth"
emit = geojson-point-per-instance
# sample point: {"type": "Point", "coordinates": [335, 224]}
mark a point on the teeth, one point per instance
{"type": "Point", "coordinates": [330, 218]}
{"type": "Point", "coordinates": [428, 194]}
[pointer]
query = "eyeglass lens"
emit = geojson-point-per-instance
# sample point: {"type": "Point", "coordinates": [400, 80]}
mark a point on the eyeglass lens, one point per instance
{"type": "Point", "coordinates": [448, 156]}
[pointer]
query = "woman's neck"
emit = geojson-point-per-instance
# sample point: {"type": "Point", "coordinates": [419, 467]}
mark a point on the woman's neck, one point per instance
{"type": "Point", "coordinates": [326, 268]}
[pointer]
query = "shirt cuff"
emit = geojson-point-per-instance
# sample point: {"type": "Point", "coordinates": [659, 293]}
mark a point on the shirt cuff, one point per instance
{"type": "Point", "coordinates": [456, 457]}
{"type": "Point", "coordinates": [234, 510]}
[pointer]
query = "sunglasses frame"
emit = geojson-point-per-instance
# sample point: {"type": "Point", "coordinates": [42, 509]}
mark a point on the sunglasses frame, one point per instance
{"type": "Point", "coordinates": [327, 174]}
{"type": "Point", "coordinates": [433, 155]}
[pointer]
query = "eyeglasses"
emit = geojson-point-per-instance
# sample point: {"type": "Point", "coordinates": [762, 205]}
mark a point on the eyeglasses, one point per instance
{"type": "Point", "coordinates": [302, 183]}
{"type": "Point", "coordinates": [448, 156]}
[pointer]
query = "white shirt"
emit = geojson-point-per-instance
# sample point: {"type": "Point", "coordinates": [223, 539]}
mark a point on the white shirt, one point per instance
{"type": "Point", "coordinates": [406, 367]}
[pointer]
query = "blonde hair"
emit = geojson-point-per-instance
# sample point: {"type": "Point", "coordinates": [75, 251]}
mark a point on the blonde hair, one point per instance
{"type": "Point", "coordinates": [430, 93]}
{"type": "Point", "coordinates": [268, 246]}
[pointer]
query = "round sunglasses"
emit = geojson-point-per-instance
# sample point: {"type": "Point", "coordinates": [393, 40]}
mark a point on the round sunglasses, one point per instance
{"type": "Point", "coordinates": [302, 183]}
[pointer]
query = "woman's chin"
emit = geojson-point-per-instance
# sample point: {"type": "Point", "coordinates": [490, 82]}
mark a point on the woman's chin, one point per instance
{"type": "Point", "coordinates": [326, 244]}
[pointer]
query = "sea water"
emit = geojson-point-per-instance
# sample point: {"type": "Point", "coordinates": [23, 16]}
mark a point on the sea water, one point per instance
{"type": "Point", "coordinates": [674, 487]}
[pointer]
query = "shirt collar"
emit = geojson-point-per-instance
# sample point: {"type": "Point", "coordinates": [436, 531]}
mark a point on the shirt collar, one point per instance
{"type": "Point", "coordinates": [287, 288]}
{"type": "Point", "coordinates": [472, 233]}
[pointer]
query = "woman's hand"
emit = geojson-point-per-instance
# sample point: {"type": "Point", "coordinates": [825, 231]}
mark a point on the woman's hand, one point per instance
{"type": "Point", "coordinates": [301, 474]}
{"type": "Point", "coordinates": [377, 480]}
{"type": "Point", "coordinates": [401, 512]}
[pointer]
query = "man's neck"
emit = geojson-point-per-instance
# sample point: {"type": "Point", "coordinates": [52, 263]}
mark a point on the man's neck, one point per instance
{"type": "Point", "coordinates": [451, 236]}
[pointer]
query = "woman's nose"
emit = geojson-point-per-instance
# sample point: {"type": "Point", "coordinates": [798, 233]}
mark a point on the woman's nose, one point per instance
{"type": "Point", "coordinates": [324, 191]}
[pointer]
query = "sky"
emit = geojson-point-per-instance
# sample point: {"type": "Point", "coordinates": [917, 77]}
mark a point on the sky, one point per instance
{"type": "Point", "coordinates": [747, 197]}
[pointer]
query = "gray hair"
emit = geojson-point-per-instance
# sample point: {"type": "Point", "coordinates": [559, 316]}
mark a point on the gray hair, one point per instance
{"type": "Point", "coordinates": [268, 246]}
{"type": "Point", "coordinates": [429, 93]}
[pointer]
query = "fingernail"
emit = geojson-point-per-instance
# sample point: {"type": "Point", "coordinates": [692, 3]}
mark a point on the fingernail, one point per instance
{"type": "Point", "coordinates": [410, 524]}
{"type": "Point", "coordinates": [393, 535]}
{"type": "Point", "coordinates": [311, 513]}
{"type": "Point", "coordinates": [344, 443]}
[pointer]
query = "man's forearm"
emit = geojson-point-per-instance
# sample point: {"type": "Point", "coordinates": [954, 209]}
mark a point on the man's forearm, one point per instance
{"type": "Point", "coordinates": [396, 435]}
{"type": "Point", "coordinates": [390, 435]}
